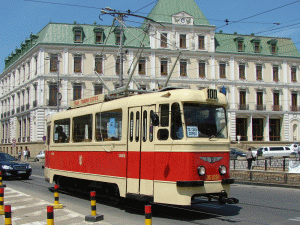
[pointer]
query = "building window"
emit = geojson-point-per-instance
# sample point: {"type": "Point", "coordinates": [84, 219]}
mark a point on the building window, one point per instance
{"type": "Point", "coordinates": [163, 40]}
{"type": "Point", "coordinates": [98, 89]}
{"type": "Point", "coordinates": [52, 95]}
{"type": "Point", "coordinates": [275, 73]}
{"type": "Point", "coordinates": [77, 64]}
{"type": "Point", "coordinates": [243, 105]}
{"type": "Point", "coordinates": [258, 72]}
{"type": "Point", "coordinates": [182, 41]}
{"type": "Point", "coordinates": [256, 47]}
{"type": "Point", "coordinates": [183, 68]}
{"type": "Point", "coordinates": [98, 64]}
{"type": "Point", "coordinates": [201, 42]}
{"type": "Point", "coordinates": [276, 106]}
{"type": "Point", "coordinates": [164, 67]}
{"type": "Point", "coordinates": [53, 63]}
{"type": "Point", "coordinates": [142, 66]}
{"type": "Point", "coordinates": [76, 91]}
{"type": "Point", "coordinates": [78, 34]}
{"type": "Point", "coordinates": [99, 35]}
{"type": "Point", "coordinates": [240, 46]}
{"type": "Point", "coordinates": [242, 71]}
{"type": "Point", "coordinates": [222, 70]}
{"type": "Point", "coordinates": [293, 74]}
{"type": "Point", "coordinates": [259, 100]}
{"type": "Point", "coordinates": [294, 102]}
{"type": "Point", "coordinates": [202, 69]}
{"type": "Point", "coordinates": [118, 66]}
{"type": "Point", "coordinates": [273, 48]}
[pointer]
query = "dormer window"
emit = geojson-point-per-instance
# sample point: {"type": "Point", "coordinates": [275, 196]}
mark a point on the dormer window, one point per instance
{"type": "Point", "coordinates": [273, 46]}
{"type": "Point", "coordinates": [256, 47]}
{"type": "Point", "coordinates": [99, 35]}
{"type": "Point", "coordinates": [118, 36]}
{"type": "Point", "coordinates": [240, 43]}
{"type": "Point", "coordinates": [78, 34]}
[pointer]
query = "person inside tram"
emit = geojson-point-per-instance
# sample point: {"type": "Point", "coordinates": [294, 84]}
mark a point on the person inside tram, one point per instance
{"type": "Point", "coordinates": [62, 137]}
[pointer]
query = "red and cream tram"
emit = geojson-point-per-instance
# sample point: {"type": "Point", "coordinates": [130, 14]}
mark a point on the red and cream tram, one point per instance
{"type": "Point", "coordinates": [168, 147]}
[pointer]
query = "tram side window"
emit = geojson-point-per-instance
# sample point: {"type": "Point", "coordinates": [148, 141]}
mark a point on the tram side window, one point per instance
{"type": "Point", "coordinates": [62, 131]}
{"type": "Point", "coordinates": [163, 134]}
{"type": "Point", "coordinates": [109, 125]}
{"type": "Point", "coordinates": [176, 123]}
{"type": "Point", "coordinates": [82, 128]}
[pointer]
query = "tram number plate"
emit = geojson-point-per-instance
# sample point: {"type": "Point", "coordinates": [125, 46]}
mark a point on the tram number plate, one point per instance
{"type": "Point", "coordinates": [213, 177]}
{"type": "Point", "coordinates": [212, 94]}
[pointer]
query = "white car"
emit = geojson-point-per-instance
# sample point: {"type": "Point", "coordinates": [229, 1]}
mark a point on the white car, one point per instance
{"type": "Point", "coordinates": [41, 155]}
{"type": "Point", "coordinates": [274, 151]}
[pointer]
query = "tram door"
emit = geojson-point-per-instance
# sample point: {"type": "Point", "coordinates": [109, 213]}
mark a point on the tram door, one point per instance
{"type": "Point", "coordinates": [140, 157]}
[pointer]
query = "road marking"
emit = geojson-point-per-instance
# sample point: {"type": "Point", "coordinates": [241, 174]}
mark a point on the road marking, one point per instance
{"type": "Point", "coordinates": [295, 219]}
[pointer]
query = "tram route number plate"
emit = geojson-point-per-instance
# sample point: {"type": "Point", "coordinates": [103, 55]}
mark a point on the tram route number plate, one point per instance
{"type": "Point", "coordinates": [212, 94]}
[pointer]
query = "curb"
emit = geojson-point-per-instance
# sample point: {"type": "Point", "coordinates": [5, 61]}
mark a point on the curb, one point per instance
{"type": "Point", "coordinates": [266, 184]}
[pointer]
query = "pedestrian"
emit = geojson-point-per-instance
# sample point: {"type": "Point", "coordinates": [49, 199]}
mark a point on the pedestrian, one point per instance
{"type": "Point", "coordinates": [25, 154]}
{"type": "Point", "coordinates": [19, 155]}
{"type": "Point", "coordinates": [28, 152]}
{"type": "Point", "coordinates": [249, 158]}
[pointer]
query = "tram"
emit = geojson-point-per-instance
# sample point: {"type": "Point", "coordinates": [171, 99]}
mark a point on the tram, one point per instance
{"type": "Point", "coordinates": [168, 147]}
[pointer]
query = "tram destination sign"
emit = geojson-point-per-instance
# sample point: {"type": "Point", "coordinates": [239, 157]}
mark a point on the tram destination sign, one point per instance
{"type": "Point", "coordinates": [87, 101]}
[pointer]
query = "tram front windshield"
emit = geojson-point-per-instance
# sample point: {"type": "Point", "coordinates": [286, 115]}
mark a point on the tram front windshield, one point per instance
{"type": "Point", "coordinates": [204, 121]}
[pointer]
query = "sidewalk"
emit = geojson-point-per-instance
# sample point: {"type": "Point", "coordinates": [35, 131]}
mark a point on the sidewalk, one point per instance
{"type": "Point", "coordinates": [266, 178]}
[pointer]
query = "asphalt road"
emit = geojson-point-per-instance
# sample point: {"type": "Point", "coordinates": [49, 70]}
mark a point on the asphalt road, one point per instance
{"type": "Point", "coordinates": [258, 205]}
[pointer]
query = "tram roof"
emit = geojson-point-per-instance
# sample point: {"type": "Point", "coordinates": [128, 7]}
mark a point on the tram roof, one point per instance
{"type": "Point", "coordinates": [169, 96]}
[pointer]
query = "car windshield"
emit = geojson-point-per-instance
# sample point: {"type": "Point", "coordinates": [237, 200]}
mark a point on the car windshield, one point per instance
{"type": "Point", "coordinates": [6, 157]}
{"type": "Point", "coordinates": [205, 121]}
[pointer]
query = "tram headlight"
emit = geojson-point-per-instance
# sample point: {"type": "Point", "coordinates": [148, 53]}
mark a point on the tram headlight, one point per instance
{"type": "Point", "coordinates": [201, 170]}
{"type": "Point", "coordinates": [222, 170]}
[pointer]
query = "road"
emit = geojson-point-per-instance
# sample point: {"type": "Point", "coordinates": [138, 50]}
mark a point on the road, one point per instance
{"type": "Point", "coordinates": [258, 205]}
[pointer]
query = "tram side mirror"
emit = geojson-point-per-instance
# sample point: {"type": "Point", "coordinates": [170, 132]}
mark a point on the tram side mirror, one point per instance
{"type": "Point", "coordinates": [155, 119]}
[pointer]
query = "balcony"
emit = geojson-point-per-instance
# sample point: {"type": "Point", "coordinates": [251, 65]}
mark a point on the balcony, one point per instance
{"type": "Point", "coordinates": [243, 106]}
{"type": "Point", "coordinates": [22, 108]}
{"type": "Point", "coordinates": [295, 108]}
{"type": "Point", "coordinates": [261, 107]}
{"type": "Point", "coordinates": [276, 107]}
{"type": "Point", "coordinates": [34, 103]}
{"type": "Point", "coordinates": [52, 103]}
{"type": "Point", "coordinates": [27, 106]}
{"type": "Point", "coordinates": [18, 109]}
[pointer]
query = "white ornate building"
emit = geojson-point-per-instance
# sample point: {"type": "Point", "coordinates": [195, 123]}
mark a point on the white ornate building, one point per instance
{"type": "Point", "coordinates": [259, 74]}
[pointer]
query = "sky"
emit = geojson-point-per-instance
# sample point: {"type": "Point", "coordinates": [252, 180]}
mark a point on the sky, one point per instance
{"type": "Point", "coordinates": [20, 18]}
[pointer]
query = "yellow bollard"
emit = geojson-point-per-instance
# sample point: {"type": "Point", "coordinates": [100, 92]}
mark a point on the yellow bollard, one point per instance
{"type": "Point", "coordinates": [50, 215]}
{"type": "Point", "coordinates": [148, 215]}
{"type": "Point", "coordinates": [56, 204]}
{"type": "Point", "coordinates": [7, 215]}
{"type": "Point", "coordinates": [1, 185]}
{"type": "Point", "coordinates": [1, 201]}
{"type": "Point", "coordinates": [94, 217]}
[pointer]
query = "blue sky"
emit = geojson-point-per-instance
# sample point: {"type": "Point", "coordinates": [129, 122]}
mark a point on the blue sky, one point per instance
{"type": "Point", "coordinates": [18, 18]}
